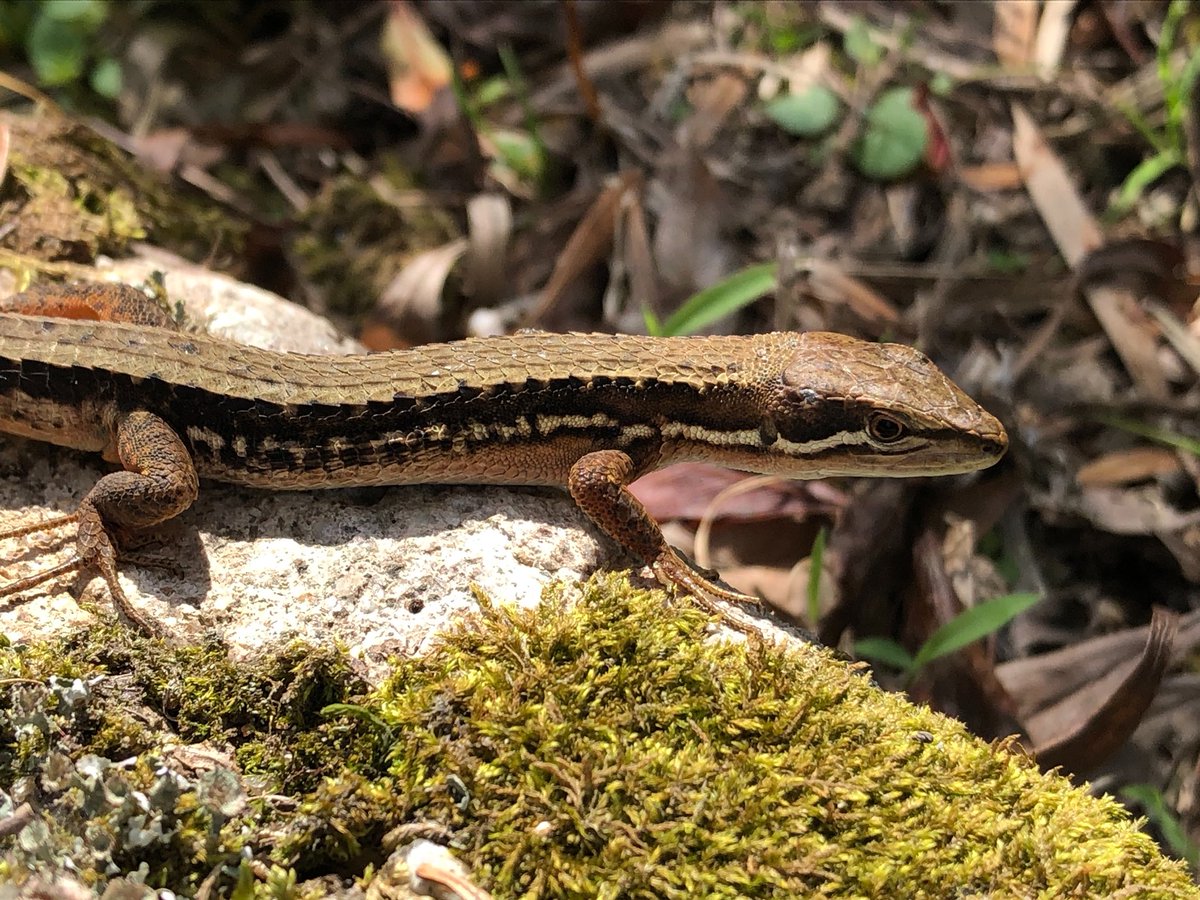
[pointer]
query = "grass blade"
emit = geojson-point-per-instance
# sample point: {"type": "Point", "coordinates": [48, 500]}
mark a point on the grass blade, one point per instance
{"type": "Point", "coordinates": [884, 650]}
{"type": "Point", "coordinates": [971, 625]}
{"type": "Point", "coordinates": [738, 290]}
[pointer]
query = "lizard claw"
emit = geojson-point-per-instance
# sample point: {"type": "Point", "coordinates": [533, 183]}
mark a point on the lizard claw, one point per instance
{"type": "Point", "coordinates": [95, 551]}
{"type": "Point", "coordinates": [735, 609]}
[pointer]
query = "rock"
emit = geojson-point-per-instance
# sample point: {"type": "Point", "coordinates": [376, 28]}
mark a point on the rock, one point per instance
{"type": "Point", "coordinates": [379, 570]}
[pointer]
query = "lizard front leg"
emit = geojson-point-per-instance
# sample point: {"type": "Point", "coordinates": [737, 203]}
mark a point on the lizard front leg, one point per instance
{"type": "Point", "coordinates": [599, 483]}
{"type": "Point", "coordinates": [159, 483]}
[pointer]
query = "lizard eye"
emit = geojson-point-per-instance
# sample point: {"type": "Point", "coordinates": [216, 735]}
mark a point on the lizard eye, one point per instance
{"type": "Point", "coordinates": [884, 428]}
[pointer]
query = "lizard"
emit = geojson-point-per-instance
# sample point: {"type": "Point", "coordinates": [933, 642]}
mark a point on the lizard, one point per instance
{"type": "Point", "coordinates": [100, 368]}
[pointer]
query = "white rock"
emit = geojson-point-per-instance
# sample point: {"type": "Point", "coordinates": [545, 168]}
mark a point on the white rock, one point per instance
{"type": "Point", "coordinates": [379, 570]}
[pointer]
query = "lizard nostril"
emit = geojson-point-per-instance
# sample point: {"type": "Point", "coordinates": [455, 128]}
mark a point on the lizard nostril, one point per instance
{"type": "Point", "coordinates": [992, 447]}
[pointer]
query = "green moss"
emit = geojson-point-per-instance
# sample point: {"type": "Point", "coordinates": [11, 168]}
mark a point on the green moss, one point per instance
{"type": "Point", "coordinates": [609, 749]}
{"type": "Point", "coordinates": [74, 196]}
{"type": "Point", "coordinates": [355, 238]}
{"type": "Point", "coordinates": [617, 752]}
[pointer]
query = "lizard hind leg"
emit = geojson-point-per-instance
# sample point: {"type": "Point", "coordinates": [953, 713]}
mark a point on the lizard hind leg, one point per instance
{"type": "Point", "coordinates": [159, 483]}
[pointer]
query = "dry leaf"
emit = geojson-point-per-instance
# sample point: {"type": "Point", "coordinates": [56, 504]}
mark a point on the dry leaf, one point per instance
{"type": "Point", "coordinates": [1076, 234]}
{"type": "Point", "coordinates": [1053, 30]}
{"type": "Point", "coordinates": [489, 225]}
{"type": "Point", "coordinates": [1072, 226]}
{"type": "Point", "coordinates": [1087, 735]}
{"type": "Point", "coordinates": [412, 303]}
{"type": "Point", "coordinates": [1125, 467]}
{"type": "Point", "coordinates": [1133, 336]}
{"type": "Point", "coordinates": [830, 284]}
{"type": "Point", "coordinates": [685, 491]}
{"type": "Point", "coordinates": [417, 65]}
{"type": "Point", "coordinates": [1132, 510]}
{"type": "Point", "coordinates": [638, 256]}
{"type": "Point", "coordinates": [589, 243]}
{"type": "Point", "coordinates": [1000, 176]}
{"type": "Point", "coordinates": [689, 249]}
{"type": "Point", "coordinates": [712, 101]}
{"type": "Point", "coordinates": [1014, 28]}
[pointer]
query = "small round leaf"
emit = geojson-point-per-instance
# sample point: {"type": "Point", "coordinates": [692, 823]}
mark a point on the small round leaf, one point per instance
{"type": "Point", "coordinates": [106, 78]}
{"type": "Point", "coordinates": [56, 49]}
{"type": "Point", "coordinates": [894, 137]}
{"type": "Point", "coordinates": [807, 114]}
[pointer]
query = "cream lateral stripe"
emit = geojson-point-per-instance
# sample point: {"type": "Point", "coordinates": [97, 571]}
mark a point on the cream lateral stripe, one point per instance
{"type": "Point", "coordinates": [547, 424]}
{"type": "Point", "coordinates": [750, 437]}
{"type": "Point", "coordinates": [198, 435]}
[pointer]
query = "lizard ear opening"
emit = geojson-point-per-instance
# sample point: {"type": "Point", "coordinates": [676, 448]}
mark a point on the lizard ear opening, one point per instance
{"type": "Point", "coordinates": [768, 432]}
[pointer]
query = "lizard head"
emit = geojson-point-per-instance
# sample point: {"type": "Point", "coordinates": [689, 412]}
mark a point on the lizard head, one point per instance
{"type": "Point", "coordinates": [836, 405]}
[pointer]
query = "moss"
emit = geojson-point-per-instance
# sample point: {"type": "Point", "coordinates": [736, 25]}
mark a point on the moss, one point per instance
{"type": "Point", "coordinates": [355, 238]}
{"type": "Point", "coordinates": [616, 752]}
{"type": "Point", "coordinates": [609, 749]}
{"type": "Point", "coordinates": [74, 196]}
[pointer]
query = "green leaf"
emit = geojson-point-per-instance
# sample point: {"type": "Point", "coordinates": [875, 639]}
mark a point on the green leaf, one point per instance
{"type": "Point", "coordinates": [86, 13]}
{"type": "Point", "coordinates": [492, 90]}
{"type": "Point", "coordinates": [106, 78]}
{"type": "Point", "coordinates": [1144, 174]}
{"type": "Point", "coordinates": [860, 46]}
{"type": "Point", "coordinates": [519, 152]}
{"type": "Point", "coordinates": [886, 651]}
{"type": "Point", "coordinates": [725, 297]}
{"type": "Point", "coordinates": [971, 625]}
{"type": "Point", "coordinates": [1161, 435]}
{"type": "Point", "coordinates": [808, 114]}
{"type": "Point", "coordinates": [57, 50]}
{"type": "Point", "coordinates": [1151, 800]}
{"type": "Point", "coordinates": [894, 137]}
{"type": "Point", "coordinates": [941, 85]}
{"type": "Point", "coordinates": [653, 323]}
{"type": "Point", "coordinates": [815, 565]}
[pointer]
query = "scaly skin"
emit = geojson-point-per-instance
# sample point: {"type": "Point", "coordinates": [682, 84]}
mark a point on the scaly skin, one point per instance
{"type": "Point", "coordinates": [587, 411]}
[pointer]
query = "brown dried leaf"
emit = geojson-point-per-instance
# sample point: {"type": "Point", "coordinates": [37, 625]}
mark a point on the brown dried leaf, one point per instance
{"type": "Point", "coordinates": [1086, 739]}
{"type": "Point", "coordinates": [1148, 264]}
{"type": "Point", "coordinates": [1138, 510]}
{"type": "Point", "coordinates": [828, 282]}
{"type": "Point", "coordinates": [412, 302]}
{"type": "Point", "coordinates": [638, 255]}
{"type": "Point", "coordinates": [589, 243]}
{"type": "Point", "coordinates": [489, 223]}
{"type": "Point", "coordinates": [417, 65]}
{"type": "Point", "coordinates": [1014, 29]}
{"type": "Point", "coordinates": [1133, 336]}
{"type": "Point", "coordinates": [712, 101]}
{"type": "Point", "coordinates": [688, 247]}
{"type": "Point", "coordinates": [687, 490]}
{"type": "Point", "coordinates": [1040, 683]}
{"type": "Point", "coordinates": [1054, 28]}
{"type": "Point", "coordinates": [986, 177]}
{"type": "Point", "coordinates": [1058, 203]}
{"type": "Point", "coordinates": [1123, 467]}
{"type": "Point", "coordinates": [1077, 234]}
